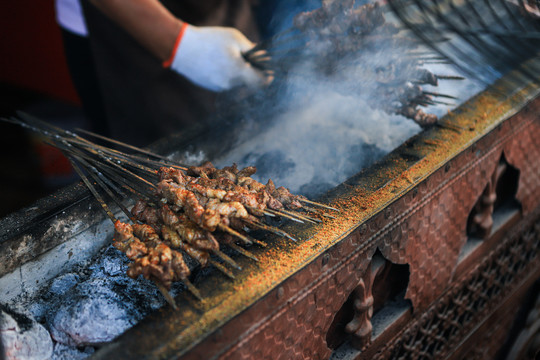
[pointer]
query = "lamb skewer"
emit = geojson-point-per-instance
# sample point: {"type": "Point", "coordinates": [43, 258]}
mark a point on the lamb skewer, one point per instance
{"type": "Point", "coordinates": [180, 212]}
{"type": "Point", "coordinates": [133, 247]}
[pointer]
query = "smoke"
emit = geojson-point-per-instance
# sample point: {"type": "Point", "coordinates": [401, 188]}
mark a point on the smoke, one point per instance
{"type": "Point", "coordinates": [317, 145]}
{"type": "Point", "coordinates": [461, 90]}
{"type": "Point", "coordinates": [319, 125]}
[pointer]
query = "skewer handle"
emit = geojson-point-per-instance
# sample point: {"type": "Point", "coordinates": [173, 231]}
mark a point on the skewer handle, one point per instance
{"type": "Point", "coordinates": [317, 204]}
{"type": "Point", "coordinates": [92, 189]}
{"type": "Point", "coordinates": [167, 295]}
{"type": "Point", "coordinates": [222, 268]}
{"type": "Point", "coordinates": [192, 289]}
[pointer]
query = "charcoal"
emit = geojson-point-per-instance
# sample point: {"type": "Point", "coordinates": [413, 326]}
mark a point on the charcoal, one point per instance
{"type": "Point", "coordinates": [91, 314]}
{"type": "Point", "coordinates": [38, 309]}
{"type": "Point", "coordinates": [314, 188]}
{"type": "Point", "coordinates": [64, 352]}
{"type": "Point", "coordinates": [110, 263]}
{"type": "Point", "coordinates": [23, 338]}
{"type": "Point", "coordinates": [273, 163]}
{"type": "Point", "coordinates": [63, 283]}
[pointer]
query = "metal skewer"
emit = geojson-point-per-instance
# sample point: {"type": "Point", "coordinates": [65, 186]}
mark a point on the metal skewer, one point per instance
{"type": "Point", "coordinates": [283, 214]}
{"type": "Point", "coordinates": [131, 147]}
{"type": "Point", "coordinates": [301, 216]}
{"type": "Point", "coordinates": [271, 229]}
{"type": "Point", "coordinates": [222, 268]}
{"type": "Point", "coordinates": [227, 259]}
{"type": "Point", "coordinates": [233, 232]}
{"type": "Point", "coordinates": [167, 295]}
{"type": "Point", "coordinates": [242, 251]}
{"type": "Point", "coordinates": [316, 203]}
{"type": "Point", "coordinates": [192, 289]}
{"type": "Point", "coordinates": [92, 189]}
{"type": "Point", "coordinates": [450, 77]}
{"type": "Point", "coordinates": [440, 95]}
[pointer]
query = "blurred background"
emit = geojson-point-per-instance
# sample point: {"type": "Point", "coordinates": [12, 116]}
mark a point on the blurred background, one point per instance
{"type": "Point", "coordinates": [33, 78]}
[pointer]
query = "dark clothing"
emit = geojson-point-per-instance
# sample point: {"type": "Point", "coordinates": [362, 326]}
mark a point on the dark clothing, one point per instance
{"type": "Point", "coordinates": [83, 74]}
{"type": "Point", "coordinates": [143, 101]}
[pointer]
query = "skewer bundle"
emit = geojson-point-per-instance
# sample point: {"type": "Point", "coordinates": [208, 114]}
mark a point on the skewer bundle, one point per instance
{"type": "Point", "coordinates": [485, 39]}
{"type": "Point", "coordinates": [355, 47]}
{"type": "Point", "coordinates": [180, 212]}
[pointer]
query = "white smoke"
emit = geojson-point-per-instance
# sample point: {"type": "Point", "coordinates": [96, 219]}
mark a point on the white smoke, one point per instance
{"type": "Point", "coordinates": [324, 141]}
{"type": "Point", "coordinates": [323, 129]}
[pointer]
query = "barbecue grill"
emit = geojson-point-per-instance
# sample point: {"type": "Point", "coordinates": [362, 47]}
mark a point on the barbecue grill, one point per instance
{"type": "Point", "coordinates": [421, 261]}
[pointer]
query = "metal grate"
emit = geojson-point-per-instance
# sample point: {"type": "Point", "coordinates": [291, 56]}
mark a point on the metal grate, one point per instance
{"type": "Point", "coordinates": [444, 324]}
{"type": "Point", "coordinates": [484, 38]}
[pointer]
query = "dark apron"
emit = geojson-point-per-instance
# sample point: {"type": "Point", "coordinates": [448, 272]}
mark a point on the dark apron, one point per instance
{"type": "Point", "coordinates": [143, 101]}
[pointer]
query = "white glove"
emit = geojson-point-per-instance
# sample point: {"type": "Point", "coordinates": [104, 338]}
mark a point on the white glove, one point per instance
{"type": "Point", "coordinates": [211, 57]}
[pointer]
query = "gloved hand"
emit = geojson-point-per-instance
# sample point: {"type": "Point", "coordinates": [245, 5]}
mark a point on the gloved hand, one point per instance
{"type": "Point", "coordinates": [211, 57]}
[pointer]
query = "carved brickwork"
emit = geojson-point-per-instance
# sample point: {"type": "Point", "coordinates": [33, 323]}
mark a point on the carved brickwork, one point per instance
{"type": "Point", "coordinates": [429, 229]}
{"type": "Point", "coordinates": [447, 322]}
{"type": "Point", "coordinates": [299, 329]}
{"type": "Point", "coordinates": [360, 326]}
{"type": "Point", "coordinates": [433, 229]}
{"type": "Point", "coordinates": [425, 229]}
{"type": "Point", "coordinates": [489, 338]}
{"type": "Point", "coordinates": [523, 153]}
{"type": "Point", "coordinates": [482, 219]}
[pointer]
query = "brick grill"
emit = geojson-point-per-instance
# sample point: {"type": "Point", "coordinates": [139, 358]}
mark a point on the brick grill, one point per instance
{"type": "Point", "coordinates": [397, 275]}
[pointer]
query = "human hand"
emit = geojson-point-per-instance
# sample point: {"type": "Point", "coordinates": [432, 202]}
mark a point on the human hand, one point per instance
{"type": "Point", "coordinates": [211, 57]}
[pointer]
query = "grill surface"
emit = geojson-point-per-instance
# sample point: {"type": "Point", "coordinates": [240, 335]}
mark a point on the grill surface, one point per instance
{"type": "Point", "coordinates": [411, 205]}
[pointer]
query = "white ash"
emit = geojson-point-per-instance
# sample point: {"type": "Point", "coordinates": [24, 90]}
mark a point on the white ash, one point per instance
{"type": "Point", "coordinates": [23, 338]}
{"type": "Point", "coordinates": [64, 352]}
{"type": "Point", "coordinates": [89, 306]}
{"type": "Point", "coordinates": [89, 314]}
{"type": "Point", "coordinates": [58, 287]}
{"type": "Point", "coordinates": [64, 283]}
{"type": "Point", "coordinates": [103, 305]}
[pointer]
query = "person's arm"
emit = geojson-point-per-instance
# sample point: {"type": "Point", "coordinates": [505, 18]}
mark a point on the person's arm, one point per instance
{"type": "Point", "coordinates": [210, 57]}
{"type": "Point", "coordinates": [139, 19]}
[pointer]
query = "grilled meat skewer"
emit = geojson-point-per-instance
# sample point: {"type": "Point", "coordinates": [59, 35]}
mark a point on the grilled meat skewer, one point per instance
{"type": "Point", "coordinates": [151, 257]}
